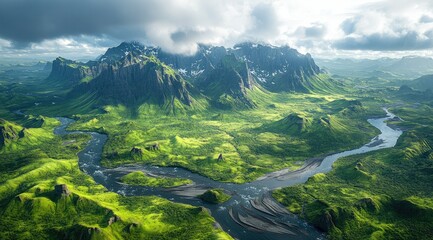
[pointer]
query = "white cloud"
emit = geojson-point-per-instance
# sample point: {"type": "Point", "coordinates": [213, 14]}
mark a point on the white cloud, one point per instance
{"type": "Point", "coordinates": [317, 26]}
{"type": "Point", "coordinates": [4, 44]}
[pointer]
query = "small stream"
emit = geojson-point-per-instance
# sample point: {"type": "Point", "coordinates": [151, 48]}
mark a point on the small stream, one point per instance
{"type": "Point", "coordinates": [251, 213]}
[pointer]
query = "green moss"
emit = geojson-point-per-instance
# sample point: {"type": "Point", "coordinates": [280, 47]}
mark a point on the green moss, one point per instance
{"type": "Point", "coordinates": [9, 132]}
{"type": "Point", "coordinates": [249, 140]}
{"type": "Point", "coordinates": [86, 79]}
{"type": "Point", "coordinates": [32, 209]}
{"type": "Point", "coordinates": [140, 178]}
{"type": "Point", "coordinates": [317, 177]}
{"type": "Point", "coordinates": [215, 196]}
{"type": "Point", "coordinates": [379, 195]}
{"type": "Point", "coordinates": [73, 65]}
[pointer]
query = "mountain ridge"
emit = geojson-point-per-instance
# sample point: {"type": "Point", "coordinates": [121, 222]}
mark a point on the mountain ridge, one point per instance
{"type": "Point", "coordinates": [133, 74]}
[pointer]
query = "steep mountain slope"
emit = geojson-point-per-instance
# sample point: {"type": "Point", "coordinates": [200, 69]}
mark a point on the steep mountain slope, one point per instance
{"type": "Point", "coordinates": [387, 68]}
{"type": "Point", "coordinates": [134, 80]}
{"type": "Point", "coordinates": [133, 74]}
{"type": "Point", "coordinates": [228, 84]}
{"type": "Point", "coordinates": [72, 72]}
{"type": "Point", "coordinates": [9, 132]}
{"type": "Point", "coordinates": [422, 83]}
{"type": "Point", "coordinates": [189, 67]}
{"type": "Point", "coordinates": [278, 68]}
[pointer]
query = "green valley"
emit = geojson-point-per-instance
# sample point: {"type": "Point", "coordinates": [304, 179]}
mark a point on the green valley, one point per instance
{"type": "Point", "coordinates": [143, 179]}
{"type": "Point", "coordinates": [380, 195]}
{"type": "Point", "coordinates": [197, 145]}
{"type": "Point", "coordinates": [44, 195]}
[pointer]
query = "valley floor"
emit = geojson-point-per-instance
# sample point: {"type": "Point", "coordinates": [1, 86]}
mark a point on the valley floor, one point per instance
{"type": "Point", "coordinates": [385, 194]}
{"type": "Point", "coordinates": [32, 207]}
{"type": "Point", "coordinates": [234, 146]}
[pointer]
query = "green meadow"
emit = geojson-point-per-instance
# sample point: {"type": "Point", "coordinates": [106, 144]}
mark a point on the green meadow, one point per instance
{"type": "Point", "coordinates": [139, 178]}
{"type": "Point", "coordinates": [385, 194]}
{"type": "Point", "coordinates": [33, 161]}
{"type": "Point", "coordinates": [215, 196]}
{"type": "Point", "coordinates": [380, 195]}
{"type": "Point", "coordinates": [283, 131]}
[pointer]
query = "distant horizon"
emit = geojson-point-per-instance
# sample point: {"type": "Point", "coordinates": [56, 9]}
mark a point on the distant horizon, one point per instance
{"type": "Point", "coordinates": [14, 59]}
{"type": "Point", "coordinates": [333, 29]}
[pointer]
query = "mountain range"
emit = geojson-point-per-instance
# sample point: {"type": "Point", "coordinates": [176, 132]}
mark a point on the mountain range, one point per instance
{"type": "Point", "coordinates": [133, 74]}
{"type": "Point", "coordinates": [422, 83]}
{"type": "Point", "coordinates": [408, 67]}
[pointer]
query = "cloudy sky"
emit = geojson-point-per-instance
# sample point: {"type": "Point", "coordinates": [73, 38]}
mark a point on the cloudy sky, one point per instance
{"type": "Point", "coordinates": [332, 28]}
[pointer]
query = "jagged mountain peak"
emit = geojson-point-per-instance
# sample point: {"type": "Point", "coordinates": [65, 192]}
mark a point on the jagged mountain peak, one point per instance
{"type": "Point", "coordinates": [9, 132]}
{"type": "Point", "coordinates": [135, 48]}
{"type": "Point", "coordinates": [134, 80]}
{"type": "Point", "coordinates": [134, 73]}
{"type": "Point", "coordinates": [227, 84]}
{"type": "Point", "coordinates": [279, 68]}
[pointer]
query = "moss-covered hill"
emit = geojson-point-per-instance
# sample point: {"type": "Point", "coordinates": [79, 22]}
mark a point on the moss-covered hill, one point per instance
{"type": "Point", "coordinates": [44, 195]}
{"type": "Point", "coordinates": [140, 178]}
{"type": "Point", "coordinates": [252, 142]}
{"type": "Point", "coordinates": [380, 195]}
{"type": "Point", "coordinates": [215, 196]}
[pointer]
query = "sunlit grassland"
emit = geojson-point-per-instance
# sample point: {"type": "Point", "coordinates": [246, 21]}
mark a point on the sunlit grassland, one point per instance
{"type": "Point", "coordinates": [385, 194]}
{"type": "Point", "coordinates": [249, 140]}
{"type": "Point", "coordinates": [32, 165]}
{"type": "Point", "coordinates": [139, 178]}
{"type": "Point", "coordinates": [215, 196]}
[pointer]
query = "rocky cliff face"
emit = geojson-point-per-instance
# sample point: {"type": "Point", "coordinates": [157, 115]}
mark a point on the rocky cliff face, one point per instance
{"type": "Point", "coordinates": [74, 72]}
{"type": "Point", "coordinates": [276, 68]}
{"type": "Point", "coordinates": [68, 70]}
{"type": "Point", "coordinates": [9, 132]}
{"type": "Point", "coordinates": [139, 79]}
{"type": "Point", "coordinates": [134, 73]}
{"type": "Point", "coordinates": [227, 84]}
{"type": "Point", "coordinates": [189, 67]}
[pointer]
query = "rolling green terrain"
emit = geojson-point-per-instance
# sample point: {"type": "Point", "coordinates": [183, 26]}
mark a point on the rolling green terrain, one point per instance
{"type": "Point", "coordinates": [44, 195]}
{"type": "Point", "coordinates": [31, 208]}
{"type": "Point", "coordinates": [215, 196]}
{"type": "Point", "coordinates": [139, 178]}
{"type": "Point", "coordinates": [385, 194]}
{"type": "Point", "coordinates": [422, 83]}
{"type": "Point", "coordinates": [229, 125]}
{"type": "Point", "coordinates": [231, 128]}
{"type": "Point", "coordinates": [282, 131]}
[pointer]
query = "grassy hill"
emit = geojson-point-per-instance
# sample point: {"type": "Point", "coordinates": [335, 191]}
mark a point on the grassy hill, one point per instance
{"type": "Point", "coordinates": [380, 195]}
{"type": "Point", "coordinates": [44, 195]}
{"type": "Point", "coordinates": [248, 139]}
{"type": "Point", "coordinates": [422, 83]}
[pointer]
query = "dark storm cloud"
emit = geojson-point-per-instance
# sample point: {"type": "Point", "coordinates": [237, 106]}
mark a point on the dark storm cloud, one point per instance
{"type": "Point", "coordinates": [58, 26]}
{"type": "Point", "coordinates": [23, 22]}
{"type": "Point", "coordinates": [190, 35]}
{"type": "Point", "coordinates": [386, 42]}
{"type": "Point", "coordinates": [349, 25]}
{"type": "Point", "coordinates": [314, 31]}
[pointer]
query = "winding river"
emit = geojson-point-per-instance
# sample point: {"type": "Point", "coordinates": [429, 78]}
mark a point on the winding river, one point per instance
{"type": "Point", "coordinates": [251, 213]}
